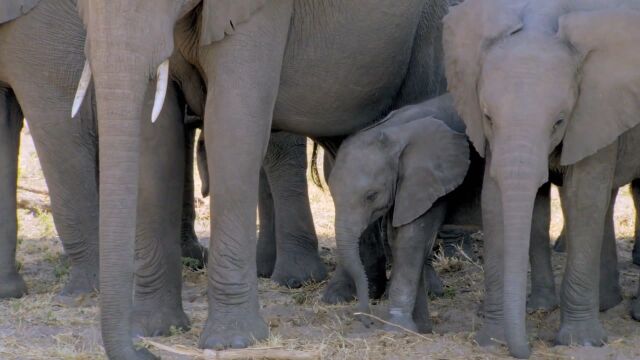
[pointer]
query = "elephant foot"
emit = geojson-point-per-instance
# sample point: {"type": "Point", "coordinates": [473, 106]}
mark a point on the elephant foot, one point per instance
{"type": "Point", "coordinates": [542, 300]}
{"type": "Point", "coordinates": [12, 286]}
{"type": "Point", "coordinates": [433, 282]}
{"type": "Point", "coordinates": [584, 333]}
{"type": "Point", "coordinates": [491, 334]}
{"type": "Point", "coordinates": [152, 318]}
{"type": "Point", "coordinates": [340, 289]}
{"type": "Point", "coordinates": [82, 281]}
{"type": "Point", "coordinates": [400, 319]}
{"type": "Point", "coordinates": [235, 329]}
{"type": "Point", "coordinates": [265, 264]}
{"type": "Point", "coordinates": [192, 249]}
{"type": "Point", "coordinates": [297, 270]}
{"type": "Point", "coordinates": [610, 297]}
{"type": "Point", "coordinates": [635, 309]}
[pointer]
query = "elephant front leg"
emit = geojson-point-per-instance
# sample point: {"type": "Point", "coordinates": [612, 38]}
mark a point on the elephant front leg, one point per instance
{"type": "Point", "coordinates": [244, 74]}
{"type": "Point", "coordinates": [610, 291]}
{"type": "Point", "coordinates": [407, 294]}
{"type": "Point", "coordinates": [635, 194]}
{"type": "Point", "coordinates": [189, 244]}
{"type": "Point", "coordinates": [543, 290]}
{"type": "Point", "coordinates": [297, 260]}
{"type": "Point", "coordinates": [157, 305]}
{"type": "Point", "coordinates": [587, 193]}
{"type": "Point", "coordinates": [266, 252]}
{"type": "Point", "coordinates": [492, 330]}
{"type": "Point", "coordinates": [11, 283]}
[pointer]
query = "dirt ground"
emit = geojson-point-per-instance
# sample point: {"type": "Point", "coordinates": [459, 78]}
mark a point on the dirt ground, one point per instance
{"type": "Point", "coordinates": [35, 327]}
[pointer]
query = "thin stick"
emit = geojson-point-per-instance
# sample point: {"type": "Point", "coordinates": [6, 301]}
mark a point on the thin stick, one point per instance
{"type": "Point", "coordinates": [394, 325]}
{"type": "Point", "coordinates": [464, 254]}
{"type": "Point", "coordinates": [276, 353]}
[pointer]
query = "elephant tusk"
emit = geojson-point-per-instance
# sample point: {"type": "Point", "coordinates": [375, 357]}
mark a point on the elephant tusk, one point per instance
{"type": "Point", "coordinates": [83, 86]}
{"type": "Point", "coordinates": [161, 90]}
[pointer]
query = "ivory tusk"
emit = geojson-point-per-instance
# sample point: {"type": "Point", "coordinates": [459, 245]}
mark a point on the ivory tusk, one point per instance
{"type": "Point", "coordinates": [161, 90]}
{"type": "Point", "coordinates": [83, 86]}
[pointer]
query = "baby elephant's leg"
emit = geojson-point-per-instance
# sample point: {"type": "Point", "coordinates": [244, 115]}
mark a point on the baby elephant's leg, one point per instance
{"type": "Point", "coordinates": [410, 245]}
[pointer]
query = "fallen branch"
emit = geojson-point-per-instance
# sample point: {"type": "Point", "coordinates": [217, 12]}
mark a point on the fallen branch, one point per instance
{"type": "Point", "coordinates": [394, 325]}
{"type": "Point", "coordinates": [275, 353]}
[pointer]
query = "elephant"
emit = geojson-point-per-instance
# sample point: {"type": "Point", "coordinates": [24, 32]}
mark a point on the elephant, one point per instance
{"type": "Point", "coordinates": [402, 168]}
{"type": "Point", "coordinates": [560, 244]}
{"type": "Point", "coordinates": [259, 60]}
{"type": "Point", "coordinates": [546, 85]}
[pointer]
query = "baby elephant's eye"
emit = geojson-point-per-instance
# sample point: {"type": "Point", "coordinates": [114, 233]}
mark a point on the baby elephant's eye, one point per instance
{"type": "Point", "coordinates": [558, 124]}
{"type": "Point", "coordinates": [372, 196]}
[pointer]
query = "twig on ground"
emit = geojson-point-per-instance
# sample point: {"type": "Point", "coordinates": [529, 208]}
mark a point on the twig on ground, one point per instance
{"type": "Point", "coordinates": [394, 325]}
{"type": "Point", "coordinates": [34, 206]}
{"type": "Point", "coordinates": [464, 255]}
{"type": "Point", "coordinates": [275, 353]}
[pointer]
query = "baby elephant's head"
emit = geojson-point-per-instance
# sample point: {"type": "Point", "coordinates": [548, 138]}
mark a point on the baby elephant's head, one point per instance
{"type": "Point", "coordinates": [405, 166]}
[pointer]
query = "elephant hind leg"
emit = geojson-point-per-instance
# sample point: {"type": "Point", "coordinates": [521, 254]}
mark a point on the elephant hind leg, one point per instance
{"type": "Point", "coordinates": [635, 194]}
{"type": "Point", "coordinates": [610, 290]}
{"type": "Point", "coordinates": [11, 283]}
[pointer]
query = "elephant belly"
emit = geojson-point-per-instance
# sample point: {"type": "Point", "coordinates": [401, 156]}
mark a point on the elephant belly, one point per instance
{"type": "Point", "coordinates": [344, 65]}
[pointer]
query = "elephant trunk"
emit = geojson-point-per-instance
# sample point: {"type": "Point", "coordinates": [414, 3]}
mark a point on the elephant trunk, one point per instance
{"type": "Point", "coordinates": [347, 242]}
{"type": "Point", "coordinates": [121, 81]}
{"type": "Point", "coordinates": [519, 175]}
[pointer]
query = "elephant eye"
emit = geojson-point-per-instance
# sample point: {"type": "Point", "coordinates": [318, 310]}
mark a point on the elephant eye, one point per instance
{"type": "Point", "coordinates": [558, 124]}
{"type": "Point", "coordinates": [372, 196]}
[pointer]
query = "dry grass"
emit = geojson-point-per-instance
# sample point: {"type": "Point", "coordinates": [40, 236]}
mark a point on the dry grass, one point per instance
{"type": "Point", "coordinates": [35, 328]}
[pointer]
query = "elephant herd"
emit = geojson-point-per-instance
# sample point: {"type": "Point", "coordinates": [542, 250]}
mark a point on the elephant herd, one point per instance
{"type": "Point", "coordinates": [547, 91]}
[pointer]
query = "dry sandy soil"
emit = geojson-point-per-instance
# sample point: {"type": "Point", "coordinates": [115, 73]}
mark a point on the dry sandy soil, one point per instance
{"type": "Point", "coordinates": [35, 327]}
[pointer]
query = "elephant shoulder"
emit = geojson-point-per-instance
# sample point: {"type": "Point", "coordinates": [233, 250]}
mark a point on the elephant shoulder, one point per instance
{"type": "Point", "coordinates": [13, 9]}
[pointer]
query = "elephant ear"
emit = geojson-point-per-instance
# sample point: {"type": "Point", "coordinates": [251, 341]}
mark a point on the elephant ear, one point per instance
{"type": "Point", "coordinates": [13, 9]}
{"type": "Point", "coordinates": [432, 163]}
{"type": "Point", "coordinates": [469, 29]}
{"type": "Point", "coordinates": [220, 17]}
{"type": "Point", "coordinates": [608, 103]}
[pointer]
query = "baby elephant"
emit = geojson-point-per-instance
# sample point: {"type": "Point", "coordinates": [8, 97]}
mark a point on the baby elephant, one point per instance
{"type": "Point", "coordinates": [401, 167]}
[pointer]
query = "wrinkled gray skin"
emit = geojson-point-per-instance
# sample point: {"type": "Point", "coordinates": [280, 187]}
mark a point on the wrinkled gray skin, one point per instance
{"type": "Point", "coordinates": [67, 148]}
{"type": "Point", "coordinates": [560, 244]}
{"type": "Point", "coordinates": [542, 74]}
{"type": "Point", "coordinates": [402, 165]}
{"type": "Point", "coordinates": [274, 69]}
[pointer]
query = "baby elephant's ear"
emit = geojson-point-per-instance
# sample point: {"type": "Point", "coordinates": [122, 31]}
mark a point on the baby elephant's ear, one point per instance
{"type": "Point", "coordinates": [608, 103]}
{"type": "Point", "coordinates": [434, 162]}
{"type": "Point", "coordinates": [220, 17]}
{"type": "Point", "coordinates": [13, 9]}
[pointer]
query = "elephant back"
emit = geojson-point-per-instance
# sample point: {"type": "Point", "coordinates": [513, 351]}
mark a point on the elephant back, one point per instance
{"type": "Point", "coordinates": [13, 9]}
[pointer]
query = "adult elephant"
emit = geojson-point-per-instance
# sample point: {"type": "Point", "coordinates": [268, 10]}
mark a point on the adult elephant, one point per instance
{"type": "Point", "coordinates": [317, 68]}
{"type": "Point", "coordinates": [547, 84]}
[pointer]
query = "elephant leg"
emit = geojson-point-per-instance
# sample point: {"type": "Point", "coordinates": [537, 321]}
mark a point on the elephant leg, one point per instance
{"type": "Point", "coordinates": [610, 291]}
{"type": "Point", "coordinates": [635, 194]}
{"type": "Point", "coordinates": [409, 246]}
{"type": "Point", "coordinates": [68, 153]}
{"type": "Point", "coordinates": [297, 260]}
{"type": "Point", "coordinates": [543, 290]}
{"type": "Point", "coordinates": [492, 330]}
{"type": "Point", "coordinates": [11, 283]}
{"type": "Point", "coordinates": [587, 185]}
{"type": "Point", "coordinates": [635, 305]}
{"type": "Point", "coordinates": [237, 126]}
{"type": "Point", "coordinates": [189, 244]}
{"type": "Point", "coordinates": [266, 252]}
{"type": "Point", "coordinates": [157, 304]}
{"type": "Point", "coordinates": [432, 279]}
